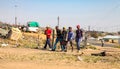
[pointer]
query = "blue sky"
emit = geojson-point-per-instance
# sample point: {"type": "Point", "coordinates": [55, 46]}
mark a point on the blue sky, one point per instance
{"type": "Point", "coordinates": [99, 14]}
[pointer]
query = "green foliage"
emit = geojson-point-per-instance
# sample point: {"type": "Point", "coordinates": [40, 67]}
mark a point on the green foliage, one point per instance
{"type": "Point", "coordinates": [110, 34]}
{"type": "Point", "coordinates": [94, 34]}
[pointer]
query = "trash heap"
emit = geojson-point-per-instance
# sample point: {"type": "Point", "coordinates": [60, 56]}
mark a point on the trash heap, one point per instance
{"type": "Point", "coordinates": [14, 34]}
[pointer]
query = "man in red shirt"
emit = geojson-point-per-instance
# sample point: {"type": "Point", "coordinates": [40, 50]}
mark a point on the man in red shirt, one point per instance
{"type": "Point", "coordinates": [48, 32]}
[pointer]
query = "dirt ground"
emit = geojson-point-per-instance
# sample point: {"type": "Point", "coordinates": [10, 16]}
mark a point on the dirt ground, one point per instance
{"type": "Point", "coordinates": [23, 58]}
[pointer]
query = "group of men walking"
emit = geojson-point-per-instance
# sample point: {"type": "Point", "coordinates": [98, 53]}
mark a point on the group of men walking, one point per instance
{"type": "Point", "coordinates": [63, 36]}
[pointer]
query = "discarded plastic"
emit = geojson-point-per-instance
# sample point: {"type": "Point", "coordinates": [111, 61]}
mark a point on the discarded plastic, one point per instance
{"type": "Point", "coordinates": [4, 45]}
{"type": "Point", "coordinates": [79, 58]}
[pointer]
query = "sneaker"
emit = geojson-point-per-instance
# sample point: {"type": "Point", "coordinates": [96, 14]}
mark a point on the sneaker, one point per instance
{"type": "Point", "coordinates": [65, 50]}
{"type": "Point", "coordinates": [78, 51]}
{"type": "Point", "coordinates": [43, 48]}
{"type": "Point", "coordinates": [50, 49]}
{"type": "Point", "coordinates": [53, 50]}
{"type": "Point", "coordinates": [61, 50]}
{"type": "Point", "coordinates": [71, 50]}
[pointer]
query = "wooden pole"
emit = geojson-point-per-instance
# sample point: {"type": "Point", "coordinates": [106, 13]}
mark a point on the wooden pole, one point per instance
{"type": "Point", "coordinates": [58, 21]}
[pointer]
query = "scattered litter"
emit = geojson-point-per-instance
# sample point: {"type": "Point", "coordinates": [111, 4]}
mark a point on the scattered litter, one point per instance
{"type": "Point", "coordinates": [4, 45]}
{"type": "Point", "coordinates": [99, 54]}
{"type": "Point", "coordinates": [79, 58]}
{"type": "Point", "coordinates": [15, 34]}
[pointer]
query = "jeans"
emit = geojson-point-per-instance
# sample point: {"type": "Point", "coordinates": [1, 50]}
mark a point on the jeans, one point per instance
{"type": "Point", "coordinates": [71, 44]}
{"type": "Point", "coordinates": [56, 41]}
{"type": "Point", "coordinates": [63, 45]}
{"type": "Point", "coordinates": [47, 42]}
{"type": "Point", "coordinates": [78, 40]}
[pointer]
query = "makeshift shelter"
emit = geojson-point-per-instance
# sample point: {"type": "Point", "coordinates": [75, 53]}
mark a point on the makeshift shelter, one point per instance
{"type": "Point", "coordinates": [33, 24]}
{"type": "Point", "coordinates": [111, 38]}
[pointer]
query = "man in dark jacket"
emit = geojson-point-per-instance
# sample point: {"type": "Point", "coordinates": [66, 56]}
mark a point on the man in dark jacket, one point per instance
{"type": "Point", "coordinates": [58, 39]}
{"type": "Point", "coordinates": [78, 38]}
{"type": "Point", "coordinates": [64, 39]}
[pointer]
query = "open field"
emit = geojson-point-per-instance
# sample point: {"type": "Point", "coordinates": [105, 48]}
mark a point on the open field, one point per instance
{"type": "Point", "coordinates": [23, 58]}
{"type": "Point", "coordinates": [24, 55]}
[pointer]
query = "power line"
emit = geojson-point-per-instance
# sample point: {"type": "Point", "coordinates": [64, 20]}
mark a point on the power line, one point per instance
{"type": "Point", "coordinates": [108, 13]}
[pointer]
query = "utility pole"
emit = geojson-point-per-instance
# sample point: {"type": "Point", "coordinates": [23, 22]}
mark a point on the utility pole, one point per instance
{"type": "Point", "coordinates": [87, 33]}
{"type": "Point", "coordinates": [89, 28]}
{"type": "Point", "coordinates": [58, 21]}
{"type": "Point", "coordinates": [16, 15]}
{"type": "Point", "coordinates": [15, 20]}
{"type": "Point", "coordinates": [119, 41]}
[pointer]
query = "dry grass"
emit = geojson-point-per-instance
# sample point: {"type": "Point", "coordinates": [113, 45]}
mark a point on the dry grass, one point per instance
{"type": "Point", "coordinates": [61, 59]}
{"type": "Point", "coordinates": [24, 51]}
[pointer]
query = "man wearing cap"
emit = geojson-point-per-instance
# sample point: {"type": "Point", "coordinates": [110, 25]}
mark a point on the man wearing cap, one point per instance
{"type": "Point", "coordinates": [48, 35]}
{"type": "Point", "coordinates": [79, 35]}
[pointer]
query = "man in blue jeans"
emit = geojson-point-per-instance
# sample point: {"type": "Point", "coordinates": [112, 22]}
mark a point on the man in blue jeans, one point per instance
{"type": "Point", "coordinates": [79, 35]}
{"type": "Point", "coordinates": [70, 37]}
{"type": "Point", "coordinates": [58, 39]}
